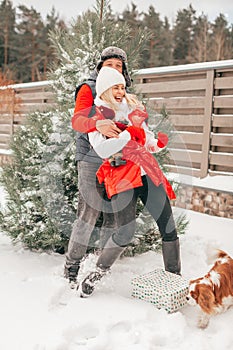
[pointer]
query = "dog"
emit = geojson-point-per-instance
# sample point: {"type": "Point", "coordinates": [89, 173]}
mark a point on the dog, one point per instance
{"type": "Point", "coordinates": [213, 293]}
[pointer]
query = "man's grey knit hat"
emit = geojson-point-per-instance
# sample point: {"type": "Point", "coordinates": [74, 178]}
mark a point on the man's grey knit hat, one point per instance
{"type": "Point", "coordinates": [115, 52]}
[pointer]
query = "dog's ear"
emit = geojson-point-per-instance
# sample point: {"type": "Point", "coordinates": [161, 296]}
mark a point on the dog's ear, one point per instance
{"type": "Point", "coordinates": [195, 294]}
{"type": "Point", "coordinates": [206, 298]}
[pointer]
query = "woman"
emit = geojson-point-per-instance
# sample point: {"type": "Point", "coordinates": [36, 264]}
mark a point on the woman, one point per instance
{"type": "Point", "coordinates": [137, 175]}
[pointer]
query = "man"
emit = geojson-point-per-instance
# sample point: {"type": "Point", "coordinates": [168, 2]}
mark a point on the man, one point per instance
{"type": "Point", "coordinates": [92, 199]}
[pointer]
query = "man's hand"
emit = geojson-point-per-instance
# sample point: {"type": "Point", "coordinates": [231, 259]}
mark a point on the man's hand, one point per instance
{"type": "Point", "coordinates": [107, 128]}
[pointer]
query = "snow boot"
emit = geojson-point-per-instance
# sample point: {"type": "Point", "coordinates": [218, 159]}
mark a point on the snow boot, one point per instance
{"type": "Point", "coordinates": [89, 283]}
{"type": "Point", "coordinates": [171, 256]}
{"type": "Point", "coordinates": [108, 256]}
{"type": "Point", "coordinates": [71, 273]}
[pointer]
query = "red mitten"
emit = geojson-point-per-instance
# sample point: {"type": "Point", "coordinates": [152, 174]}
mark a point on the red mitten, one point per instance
{"type": "Point", "coordinates": [137, 117]}
{"type": "Point", "coordinates": [121, 126]}
{"type": "Point", "coordinates": [162, 140]}
{"type": "Point", "coordinates": [137, 134]}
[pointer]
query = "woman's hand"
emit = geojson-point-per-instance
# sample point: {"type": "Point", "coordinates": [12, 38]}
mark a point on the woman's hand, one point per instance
{"type": "Point", "coordinates": [137, 117]}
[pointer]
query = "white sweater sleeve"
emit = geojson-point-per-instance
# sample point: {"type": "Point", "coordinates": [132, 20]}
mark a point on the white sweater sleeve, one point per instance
{"type": "Point", "coordinates": [106, 147]}
{"type": "Point", "coordinates": [151, 141]}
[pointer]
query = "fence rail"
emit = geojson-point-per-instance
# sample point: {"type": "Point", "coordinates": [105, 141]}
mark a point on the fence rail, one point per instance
{"type": "Point", "coordinates": [198, 98]}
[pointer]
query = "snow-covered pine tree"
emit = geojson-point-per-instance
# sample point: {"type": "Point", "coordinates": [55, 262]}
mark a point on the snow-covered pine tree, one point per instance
{"type": "Point", "coordinates": [41, 181]}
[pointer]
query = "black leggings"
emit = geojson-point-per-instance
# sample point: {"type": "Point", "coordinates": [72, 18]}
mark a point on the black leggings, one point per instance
{"type": "Point", "coordinates": [157, 203]}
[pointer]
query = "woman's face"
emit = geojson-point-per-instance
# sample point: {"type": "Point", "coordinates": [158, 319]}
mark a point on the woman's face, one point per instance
{"type": "Point", "coordinates": [115, 63]}
{"type": "Point", "coordinates": [118, 92]}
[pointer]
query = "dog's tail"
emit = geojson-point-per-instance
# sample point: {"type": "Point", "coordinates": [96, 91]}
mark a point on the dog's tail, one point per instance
{"type": "Point", "coordinates": [213, 254]}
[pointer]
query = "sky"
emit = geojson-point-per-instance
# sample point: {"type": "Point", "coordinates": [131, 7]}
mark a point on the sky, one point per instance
{"type": "Point", "coordinates": [40, 312]}
{"type": "Point", "coordinates": [69, 9]}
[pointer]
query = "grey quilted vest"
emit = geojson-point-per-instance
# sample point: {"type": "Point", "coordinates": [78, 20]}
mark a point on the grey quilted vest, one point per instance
{"type": "Point", "coordinates": [84, 150]}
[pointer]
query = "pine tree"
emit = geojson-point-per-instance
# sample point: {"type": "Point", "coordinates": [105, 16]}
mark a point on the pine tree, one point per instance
{"type": "Point", "coordinates": [26, 218]}
{"type": "Point", "coordinates": [200, 40]}
{"type": "Point", "coordinates": [41, 181]}
{"type": "Point", "coordinates": [30, 29]}
{"type": "Point", "coordinates": [7, 36]}
{"type": "Point", "coordinates": [182, 35]}
{"type": "Point", "coordinates": [221, 45]}
{"type": "Point", "coordinates": [153, 22]}
{"type": "Point", "coordinates": [166, 51]}
{"type": "Point", "coordinates": [45, 50]}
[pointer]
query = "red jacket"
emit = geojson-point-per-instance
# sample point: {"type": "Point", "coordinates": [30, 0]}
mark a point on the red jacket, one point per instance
{"type": "Point", "coordinates": [84, 102]}
{"type": "Point", "coordinates": [128, 176]}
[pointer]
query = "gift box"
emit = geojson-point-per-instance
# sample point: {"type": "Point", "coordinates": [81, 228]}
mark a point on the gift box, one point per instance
{"type": "Point", "coordinates": [163, 289]}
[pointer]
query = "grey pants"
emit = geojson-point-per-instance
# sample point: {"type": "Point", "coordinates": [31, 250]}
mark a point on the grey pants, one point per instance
{"type": "Point", "coordinates": [92, 201]}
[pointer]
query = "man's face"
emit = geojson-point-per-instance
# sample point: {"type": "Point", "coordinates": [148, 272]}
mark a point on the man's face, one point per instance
{"type": "Point", "coordinates": [115, 63]}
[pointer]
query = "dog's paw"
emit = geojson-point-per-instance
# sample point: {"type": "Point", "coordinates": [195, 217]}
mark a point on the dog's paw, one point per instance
{"type": "Point", "coordinates": [203, 321]}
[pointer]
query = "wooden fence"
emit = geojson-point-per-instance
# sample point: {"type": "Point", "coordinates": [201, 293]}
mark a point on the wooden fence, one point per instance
{"type": "Point", "coordinates": [198, 98]}
{"type": "Point", "coordinates": [16, 101]}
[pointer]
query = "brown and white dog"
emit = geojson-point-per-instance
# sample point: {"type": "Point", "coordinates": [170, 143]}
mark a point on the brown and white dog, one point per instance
{"type": "Point", "coordinates": [213, 293]}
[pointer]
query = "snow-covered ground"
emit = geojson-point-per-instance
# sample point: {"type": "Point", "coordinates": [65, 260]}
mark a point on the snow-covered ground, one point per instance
{"type": "Point", "coordinates": [38, 311]}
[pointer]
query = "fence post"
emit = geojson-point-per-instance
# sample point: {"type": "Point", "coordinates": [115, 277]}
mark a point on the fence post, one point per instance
{"type": "Point", "coordinates": [12, 111]}
{"type": "Point", "coordinates": [207, 123]}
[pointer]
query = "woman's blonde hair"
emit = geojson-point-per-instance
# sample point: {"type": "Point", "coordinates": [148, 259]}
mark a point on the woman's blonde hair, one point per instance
{"type": "Point", "coordinates": [132, 101]}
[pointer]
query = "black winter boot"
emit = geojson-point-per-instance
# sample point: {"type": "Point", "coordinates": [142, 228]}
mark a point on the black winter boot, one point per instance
{"type": "Point", "coordinates": [171, 256]}
{"type": "Point", "coordinates": [108, 256]}
{"type": "Point", "coordinates": [89, 283]}
{"type": "Point", "coordinates": [71, 273]}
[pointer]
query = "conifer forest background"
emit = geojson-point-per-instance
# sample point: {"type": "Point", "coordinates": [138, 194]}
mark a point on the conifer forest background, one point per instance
{"type": "Point", "coordinates": [26, 53]}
